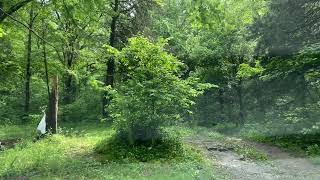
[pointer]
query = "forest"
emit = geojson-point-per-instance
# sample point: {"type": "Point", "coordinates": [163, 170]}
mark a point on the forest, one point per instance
{"type": "Point", "coordinates": [160, 89]}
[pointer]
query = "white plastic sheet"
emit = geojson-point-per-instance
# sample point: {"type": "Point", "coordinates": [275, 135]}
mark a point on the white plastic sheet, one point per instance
{"type": "Point", "coordinates": [42, 125]}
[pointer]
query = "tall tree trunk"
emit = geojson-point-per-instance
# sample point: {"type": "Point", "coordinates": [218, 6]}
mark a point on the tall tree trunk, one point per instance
{"type": "Point", "coordinates": [241, 104]}
{"type": "Point", "coordinates": [236, 61]}
{"type": "Point", "coordinates": [44, 28]}
{"type": "Point", "coordinates": [109, 79]}
{"type": "Point", "coordinates": [52, 117]}
{"type": "Point", "coordinates": [302, 90]}
{"type": "Point", "coordinates": [221, 103]}
{"type": "Point", "coordinates": [230, 108]}
{"type": "Point", "coordinates": [28, 64]}
{"type": "Point", "coordinates": [67, 99]}
{"type": "Point", "coordinates": [259, 97]}
{"type": "Point", "coordinates": [303, 94]}
{"type": "Point", "coordinates": [70, 87]}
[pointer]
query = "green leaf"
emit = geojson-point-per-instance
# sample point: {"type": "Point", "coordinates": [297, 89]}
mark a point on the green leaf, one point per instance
{"type": "Point", "coordinates": [246, 71]}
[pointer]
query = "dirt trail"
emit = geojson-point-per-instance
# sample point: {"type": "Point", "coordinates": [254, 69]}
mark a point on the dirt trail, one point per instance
{"type": "Point", "coordinates": [280, 165]}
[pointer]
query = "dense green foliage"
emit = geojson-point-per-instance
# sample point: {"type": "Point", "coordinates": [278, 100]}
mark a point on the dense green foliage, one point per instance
{"type": "Point", "coordinates": [150, 96]}
{"type": "Point", "coordinates": [152, 93]}
{"type": "Point", "coordinates": [245, 67]}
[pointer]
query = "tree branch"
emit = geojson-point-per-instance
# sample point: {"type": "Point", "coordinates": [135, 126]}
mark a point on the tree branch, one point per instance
{"type": "Point", "coordinates": [16, 7]}
{"type": "Point", "coordinates": [35, 33]}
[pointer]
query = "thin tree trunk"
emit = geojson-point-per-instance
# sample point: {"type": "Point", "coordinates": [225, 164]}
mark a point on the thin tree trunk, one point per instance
{"type": "Point", "coordinates": [221, 102]}
{"type": "Point", "coordinates": [12, 9]}
{"type": "Point", "coordinates": [44, 50]}
{"type": "Point", "coordinates": [303, 95]}
{"type": "Point", "coordinates": [302, 90]}
{"type": "Point", "coordinates": [109, 80]}
{"type": "Point", "coordinates": [1, 6]}
{"type": "Point", "coordinates": [241, 117]}
{"type": "Point", "coordinates": [28, 64]}
{"type": "Point", "coordinates": [70, 57]}
{"type": "Point", "coordinates": [259, 97]}
{"type": "Point", "coordinates": [68, 97]}
{"type": "Point", "coordinates": [230, 109]}
{"type": "Point", "coordinates": [241, 104]}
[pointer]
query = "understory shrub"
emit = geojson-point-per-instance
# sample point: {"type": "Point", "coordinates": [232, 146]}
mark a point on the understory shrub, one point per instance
{"type": "Point", "coordinates": [313, 150]}
{"type": "Point", "coordinates": [152, 95]}
{"type": "Point", "coordinates": [166, 147]}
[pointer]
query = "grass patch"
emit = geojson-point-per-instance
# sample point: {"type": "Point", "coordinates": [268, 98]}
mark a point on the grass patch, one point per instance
{"type": "Point", "coordinates": [301, 144]}
{"type": "Point", "coordinates": [249, 152]}
{"type": "Point", "coordinates": [17, 131]}
{"type": "Point", "coordinates": [71, 155]}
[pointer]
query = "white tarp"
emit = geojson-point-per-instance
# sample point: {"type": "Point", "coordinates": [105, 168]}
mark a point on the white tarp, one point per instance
{"type": "Point", "coordinates": [42, 125]}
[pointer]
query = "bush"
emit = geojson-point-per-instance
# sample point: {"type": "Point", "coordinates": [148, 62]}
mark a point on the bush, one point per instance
{"type": "Point", "coordinates": [151, 96]}
{"type": "Point", "coordinates": [168, 147]}
{"type": "Point", "coordinates": [313, 150]}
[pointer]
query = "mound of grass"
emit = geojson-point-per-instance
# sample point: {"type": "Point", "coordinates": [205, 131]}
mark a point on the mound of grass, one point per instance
{"type": "Point", "coordinates": [166, 147]}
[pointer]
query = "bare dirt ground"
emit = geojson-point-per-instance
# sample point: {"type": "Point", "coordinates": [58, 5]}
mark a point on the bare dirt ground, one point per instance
{"type": "Point", "coordinates": [281, 165]}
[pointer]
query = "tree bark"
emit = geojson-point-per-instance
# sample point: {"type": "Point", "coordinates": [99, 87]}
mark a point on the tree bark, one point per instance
{"type": "Point", "coordinates": [52, 118]}
{"type": "Point", "coordinates": [44, 50]}
{"type": "Point", "coordinates": [1, 10]}
{"type": "Point", "coordinates": [221, 103]}
{"type": "Point", "coordinates": [236, 61]}
{"type": "Point", "coordinates": [12, 9]}
{"type": "Point", "coordinates": [109, 80]}
{"type": "Point", "coordinates": [303, 95]}
{"type": "Point", "coordinates": [259, 97]}
{"type": "Point", "coordinates": [241, 104]}
{"type": "Point", "coordinates": [69, 58]}
{"type": "Point", "coordinates": [28, 64]}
